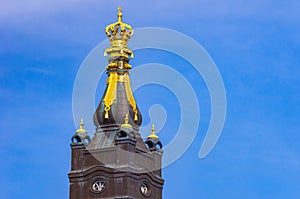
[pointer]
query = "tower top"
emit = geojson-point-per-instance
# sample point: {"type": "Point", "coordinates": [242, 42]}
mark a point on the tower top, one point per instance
{"type": "Point", "coordinates": [117, 152]}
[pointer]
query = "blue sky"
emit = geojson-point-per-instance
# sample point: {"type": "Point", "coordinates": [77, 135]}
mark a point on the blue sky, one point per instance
{"type": "Point", "coordinates": [255, 45]}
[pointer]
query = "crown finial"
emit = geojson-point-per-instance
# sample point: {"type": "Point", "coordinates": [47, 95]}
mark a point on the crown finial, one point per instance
{"type": "Point", "coordinates": [126, 125]}
{"type": "Point", "coordinates": [119, 33]}
{"type": "Point", "coordinates": [81, 127]}
{"type": "Point", "coordinates": [153, 133]}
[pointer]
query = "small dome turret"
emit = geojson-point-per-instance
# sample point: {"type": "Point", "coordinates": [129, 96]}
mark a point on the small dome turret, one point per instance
{"type": "Point", "coordinates": [153, 141]}
{"type": "Point", "coordinates": [81, 136]}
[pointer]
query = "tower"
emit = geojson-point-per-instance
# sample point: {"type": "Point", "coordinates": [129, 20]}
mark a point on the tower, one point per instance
{"type": "Point", "coordinates": [116, 162]}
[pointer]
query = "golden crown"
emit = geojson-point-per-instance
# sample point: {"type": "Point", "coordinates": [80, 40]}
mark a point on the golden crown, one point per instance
{"type": "Point", "coordinates": [119, 30]}
{"type": "Point", "coordinates": [119, 33]}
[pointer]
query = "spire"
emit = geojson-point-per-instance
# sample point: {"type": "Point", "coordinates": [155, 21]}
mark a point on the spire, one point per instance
{"type": "Point", "coordinates": [115, 102]}
{"type": "Point", "coordinates": [153, 136]}
{"type": "Point", "coordinates": [81, 127]}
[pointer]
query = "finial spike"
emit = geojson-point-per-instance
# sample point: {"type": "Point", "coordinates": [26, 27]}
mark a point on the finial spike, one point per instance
{"type": "Point", "coordinates": [153, 129]}
{"type": "Point", "coordinates": [120, 14]}
{"type": "Point", "coordinates": [81, 123]}
{"type": "Point", "coordinates": [126, 118]}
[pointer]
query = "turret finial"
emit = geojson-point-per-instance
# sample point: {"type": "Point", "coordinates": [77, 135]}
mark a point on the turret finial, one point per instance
{"type": "Point", "coordinates": [81, 127]}
{"type": "Point", "coordinates": [153, 133]}
{"type": "Point", "coordinates": [126, 125]}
